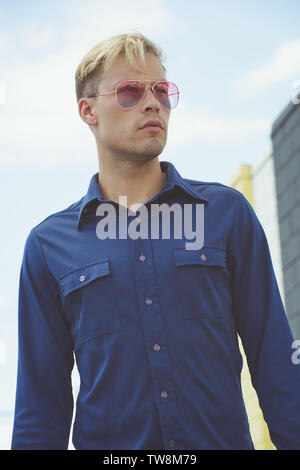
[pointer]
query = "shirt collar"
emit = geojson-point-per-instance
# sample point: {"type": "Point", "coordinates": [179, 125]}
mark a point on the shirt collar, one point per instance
{"type": "Point", "coordinates": [173, 179]}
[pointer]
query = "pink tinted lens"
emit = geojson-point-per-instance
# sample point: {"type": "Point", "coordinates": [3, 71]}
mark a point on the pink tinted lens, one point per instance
{"type": "Point", "coordinates": [130, 93]}
{"type": "Point", "coordinates": [167, 93]}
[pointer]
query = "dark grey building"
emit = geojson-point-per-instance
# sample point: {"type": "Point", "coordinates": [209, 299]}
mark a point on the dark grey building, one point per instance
{"type": "Point", "coordinates": [285, 137]}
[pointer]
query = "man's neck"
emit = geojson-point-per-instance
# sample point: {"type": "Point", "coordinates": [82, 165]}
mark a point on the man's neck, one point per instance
{"type": "Point", "coordinates": [138, 183]}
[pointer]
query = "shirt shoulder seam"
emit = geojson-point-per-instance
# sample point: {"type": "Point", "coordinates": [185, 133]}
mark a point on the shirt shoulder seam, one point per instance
{"type": "Point", "coordinates": [43, 254]}
{"type": "Point", "coordinates": [210, 183]}
{"type": "Point", "coordinates": [68, 209]}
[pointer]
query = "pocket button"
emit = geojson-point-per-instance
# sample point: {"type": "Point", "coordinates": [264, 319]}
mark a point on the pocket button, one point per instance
{"type": "Point", "coordinates": [81, 277]}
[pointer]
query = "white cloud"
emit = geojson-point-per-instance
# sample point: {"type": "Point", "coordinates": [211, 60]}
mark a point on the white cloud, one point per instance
{"type": "Point", "coordinates": [4, 302]}
{"type": "Point", "coordinates": [39, 121]}
{"type": "Point", "coordinates": [37, 38]}
{"type": "Point", "coordinates": [191, 124]}
{"type": "Point", "coordinates": [283, 65]}
{"type": "Point", "coordinates": [4, 41]}
{"type": "Point", "coordinates": [2, 92]}
{"type": "Point", "coordinates": [101, 19]}
{"type": "Point", "coordinates": [40, 125]}
{"type": "Point", "coordinates": [2, 352]}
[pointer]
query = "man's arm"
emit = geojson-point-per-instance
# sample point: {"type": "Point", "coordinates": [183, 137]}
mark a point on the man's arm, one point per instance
{"type": "Point", "coordinates": [44, 400]}
{"type": "Point", "coordinates": [263, 327]}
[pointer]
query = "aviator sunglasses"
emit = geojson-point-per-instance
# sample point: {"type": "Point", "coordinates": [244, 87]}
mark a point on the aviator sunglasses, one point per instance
{"type": "Point", "coordinates": [129, 93]}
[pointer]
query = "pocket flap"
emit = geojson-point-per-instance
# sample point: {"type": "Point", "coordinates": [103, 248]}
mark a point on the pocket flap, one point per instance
{"type": "Point", "coordinates": [207, 256]}
{"type": "Point", "coordinates": [80, 277]}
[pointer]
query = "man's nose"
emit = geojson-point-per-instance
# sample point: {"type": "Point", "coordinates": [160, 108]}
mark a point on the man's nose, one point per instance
{"type": "Point", "coordinates": [150, 100]}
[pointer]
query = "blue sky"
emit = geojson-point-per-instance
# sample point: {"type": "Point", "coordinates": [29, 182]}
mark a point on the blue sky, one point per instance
{"type": "Point", "coordinates": [234, 62]}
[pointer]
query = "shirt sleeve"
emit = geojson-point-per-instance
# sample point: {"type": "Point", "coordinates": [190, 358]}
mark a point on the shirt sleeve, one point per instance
{"type": "Point", "coordinates": [44, 399]}
{"type": "Point", "coordinates": [263, 327]}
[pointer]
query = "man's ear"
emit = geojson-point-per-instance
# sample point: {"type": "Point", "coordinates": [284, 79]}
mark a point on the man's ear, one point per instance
{"type": "Point", "coordinates": [86, 112]}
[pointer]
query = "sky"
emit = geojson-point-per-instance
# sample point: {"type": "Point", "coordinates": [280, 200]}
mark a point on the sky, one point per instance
{"type": "Point", "coordinates": [235, 63]}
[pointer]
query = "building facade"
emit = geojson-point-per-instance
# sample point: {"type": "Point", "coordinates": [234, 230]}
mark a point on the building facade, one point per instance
{"type": "Point", "coordinates": [272, 186]}
{"type": "Point", "coordinates": [286, 150]}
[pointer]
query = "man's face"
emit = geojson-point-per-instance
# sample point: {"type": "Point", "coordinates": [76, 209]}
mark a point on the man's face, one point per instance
{"type": "Point", "coordinates": [116, 129]}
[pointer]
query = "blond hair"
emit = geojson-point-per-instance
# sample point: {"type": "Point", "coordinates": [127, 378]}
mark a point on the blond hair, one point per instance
{"type": "Point", "coordinates": [100, 58]}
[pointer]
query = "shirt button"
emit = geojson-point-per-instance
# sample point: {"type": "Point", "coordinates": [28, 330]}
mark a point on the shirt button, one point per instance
{"type": "Point", "coordinates": [82, 278]}
{"type": "Point", "coordinates": [156, 347]}
{"type": "Point", "coordinates": [171, 443]}
{"type": "Point", "coordinates": [142, 257]}
{"type": "Point", "coordinates": [203, 257]}
{"type": "Point", "coordinates": [148, 301]}
{"type": "Point", "coordinates": [164, 394]}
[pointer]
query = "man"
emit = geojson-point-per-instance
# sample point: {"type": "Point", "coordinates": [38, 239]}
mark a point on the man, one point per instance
{"type": "Point", "coordinates": [153, 325]}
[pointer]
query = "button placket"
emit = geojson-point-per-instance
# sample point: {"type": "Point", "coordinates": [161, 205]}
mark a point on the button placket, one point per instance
{"type": "Point", "coordinates": [153, 325]}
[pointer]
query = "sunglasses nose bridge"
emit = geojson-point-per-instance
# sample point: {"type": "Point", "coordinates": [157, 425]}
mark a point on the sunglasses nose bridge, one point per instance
{"type": "Point", "coordinates": [153, 92]}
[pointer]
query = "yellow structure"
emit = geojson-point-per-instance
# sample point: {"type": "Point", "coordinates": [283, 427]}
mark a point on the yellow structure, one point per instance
{"type": "Point", "coordinates": [242, 181]}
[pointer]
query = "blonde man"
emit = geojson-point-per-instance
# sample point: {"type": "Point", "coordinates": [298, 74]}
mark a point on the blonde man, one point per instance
{"type": "Point", "coordinates": [153, 324]}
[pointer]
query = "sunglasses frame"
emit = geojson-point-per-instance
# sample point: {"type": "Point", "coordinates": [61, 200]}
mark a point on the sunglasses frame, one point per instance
{"type": "Point", "coordinates": [115, 91]}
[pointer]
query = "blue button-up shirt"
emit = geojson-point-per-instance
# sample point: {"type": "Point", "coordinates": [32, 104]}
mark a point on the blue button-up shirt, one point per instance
{"type": "Point", "coordinates": [153, 328]}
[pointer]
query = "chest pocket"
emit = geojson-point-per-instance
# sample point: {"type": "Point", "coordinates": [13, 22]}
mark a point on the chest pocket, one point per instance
{"type": "Point", "coordinates": [203, 282]}
{"type": "Point", "coordinates": [90, 300]}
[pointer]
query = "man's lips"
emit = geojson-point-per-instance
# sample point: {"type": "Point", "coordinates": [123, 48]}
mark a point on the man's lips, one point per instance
{"type": "Point", "coordinates": [151, 128]}
{"type": "Point", "coordinates": [152, 125]}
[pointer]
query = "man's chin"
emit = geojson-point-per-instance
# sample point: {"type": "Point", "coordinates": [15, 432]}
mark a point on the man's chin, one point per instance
{"type": "Point", "coordinates": [153, 148]}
